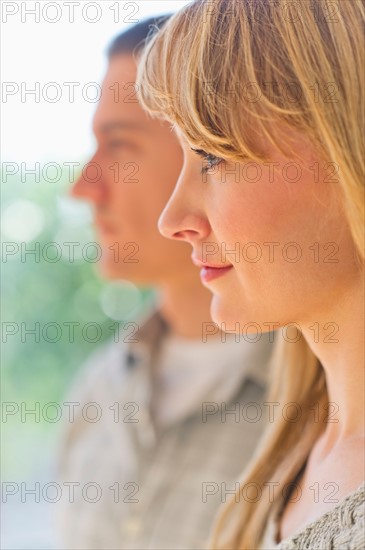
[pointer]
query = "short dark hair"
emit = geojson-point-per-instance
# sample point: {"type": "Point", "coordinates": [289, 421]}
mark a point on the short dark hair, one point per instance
{"type": "Point", "coordinates": [133, 39]}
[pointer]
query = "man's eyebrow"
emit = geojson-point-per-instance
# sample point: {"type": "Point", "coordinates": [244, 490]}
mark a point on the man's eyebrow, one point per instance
{"type": "Point", "coordinates": [108, 127]}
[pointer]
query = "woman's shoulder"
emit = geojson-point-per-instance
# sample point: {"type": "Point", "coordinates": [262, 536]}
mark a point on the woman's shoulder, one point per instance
{"type": "Point", "coordinates": [343, 527]}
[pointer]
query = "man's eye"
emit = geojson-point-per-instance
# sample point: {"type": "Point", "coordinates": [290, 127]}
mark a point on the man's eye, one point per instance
{"type": "Point", "coordinates": [116, 144]}
{"type": "Point", "coordinates": [117, 147]}
{"type": "Point", "coordinates": [211, 160]}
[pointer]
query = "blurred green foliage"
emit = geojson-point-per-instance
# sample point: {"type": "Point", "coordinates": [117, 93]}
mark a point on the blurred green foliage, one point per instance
{"type": "Point", "coordinates": [44, 292]}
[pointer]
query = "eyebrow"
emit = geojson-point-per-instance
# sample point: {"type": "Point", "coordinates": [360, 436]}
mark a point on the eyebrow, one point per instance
{"type": "Point", "coordinates": [109, 127]}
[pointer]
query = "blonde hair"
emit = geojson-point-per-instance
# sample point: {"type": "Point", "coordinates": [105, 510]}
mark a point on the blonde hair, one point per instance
{"type": "Point", "coordinates": [209, 71]}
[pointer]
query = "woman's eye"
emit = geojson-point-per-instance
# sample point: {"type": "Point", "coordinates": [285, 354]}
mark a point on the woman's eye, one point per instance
{"type": "Point", "coordinates": [211, 161]}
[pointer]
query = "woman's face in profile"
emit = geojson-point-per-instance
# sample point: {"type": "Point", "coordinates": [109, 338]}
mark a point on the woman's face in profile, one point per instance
{"type": "Point", "coordinates": [271, 238]}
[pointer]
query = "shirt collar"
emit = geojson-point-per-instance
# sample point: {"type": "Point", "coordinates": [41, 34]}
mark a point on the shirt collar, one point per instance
{"type": "Point", "coordinates": [153, 328]}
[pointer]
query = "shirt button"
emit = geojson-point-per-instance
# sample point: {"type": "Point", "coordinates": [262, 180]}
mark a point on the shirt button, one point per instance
{"type": "Point", "coordinates": [132, 527]}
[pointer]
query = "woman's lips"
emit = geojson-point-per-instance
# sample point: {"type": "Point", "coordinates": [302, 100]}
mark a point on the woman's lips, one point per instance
{"type": "Point", "coordinates": [210, 273]}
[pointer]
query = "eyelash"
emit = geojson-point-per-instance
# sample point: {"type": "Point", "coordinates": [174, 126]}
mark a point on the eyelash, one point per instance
{"type": "Point", "coordinates": [212, 160]}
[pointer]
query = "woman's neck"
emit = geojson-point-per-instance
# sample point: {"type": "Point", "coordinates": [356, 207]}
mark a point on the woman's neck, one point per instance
{"type": "Point", "coordinates": [337, 339]}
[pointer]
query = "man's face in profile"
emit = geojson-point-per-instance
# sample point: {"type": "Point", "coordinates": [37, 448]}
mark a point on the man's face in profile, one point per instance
{"type": "Point", "coordinates": [139, 162]}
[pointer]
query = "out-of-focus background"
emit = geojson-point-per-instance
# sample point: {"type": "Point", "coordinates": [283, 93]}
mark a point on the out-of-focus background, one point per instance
{"type": "Point", "coordinates": [55, 309]}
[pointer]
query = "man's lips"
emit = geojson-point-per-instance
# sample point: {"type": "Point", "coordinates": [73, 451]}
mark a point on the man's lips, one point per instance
{"type": "Point", "coordinates": [210, 271]}
{"type": "Point", "coordinates": [104, 227]}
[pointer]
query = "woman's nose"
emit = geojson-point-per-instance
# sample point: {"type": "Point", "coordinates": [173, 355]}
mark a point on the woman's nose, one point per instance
{"type": "Point", "coordinates": [90, 185]}
{"type": "Point", "coordinates": [183, 217]}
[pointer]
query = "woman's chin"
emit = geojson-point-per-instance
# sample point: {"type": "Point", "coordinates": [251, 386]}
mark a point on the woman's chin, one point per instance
{"type": "Point", "coordinates": [231, 316]}
{"type": "Point", "coordinates": [225, 314]}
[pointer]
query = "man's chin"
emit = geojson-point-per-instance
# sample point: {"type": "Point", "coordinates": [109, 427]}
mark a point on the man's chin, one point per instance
{"type": "Point", "coordinates": [114, 272]}
{"type": "Point", "coordinates": [109, 269]}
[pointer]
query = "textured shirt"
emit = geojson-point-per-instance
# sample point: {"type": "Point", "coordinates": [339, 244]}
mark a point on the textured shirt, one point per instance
{"type": "Point", "coordinates": [342, 528]}
{"type": "Point", "coordinates": [147, 485]}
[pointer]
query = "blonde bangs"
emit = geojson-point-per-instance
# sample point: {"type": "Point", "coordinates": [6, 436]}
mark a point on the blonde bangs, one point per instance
{"type": "Point", "coordinates": [234, 76]}
{"type": "Point", "coordinates": [203, 87]}
{"type": "Point", "coordinates": [220, 85]}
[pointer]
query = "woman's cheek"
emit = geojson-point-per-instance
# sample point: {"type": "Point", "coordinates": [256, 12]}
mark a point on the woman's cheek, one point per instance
{"type": "Point", "coordinates": [251, 217]}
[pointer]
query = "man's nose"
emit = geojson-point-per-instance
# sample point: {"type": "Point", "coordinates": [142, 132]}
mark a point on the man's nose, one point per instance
{"type": "Point", "coordinates": [90, 184]}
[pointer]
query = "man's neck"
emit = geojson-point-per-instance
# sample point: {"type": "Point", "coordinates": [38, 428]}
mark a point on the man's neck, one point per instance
{"type": "Point", "coordinates": [186, 306]}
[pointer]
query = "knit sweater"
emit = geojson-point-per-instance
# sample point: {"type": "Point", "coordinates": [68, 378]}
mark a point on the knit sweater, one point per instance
{"type": "Point", "coordinates": [342, 528]}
